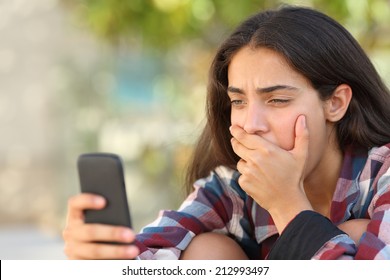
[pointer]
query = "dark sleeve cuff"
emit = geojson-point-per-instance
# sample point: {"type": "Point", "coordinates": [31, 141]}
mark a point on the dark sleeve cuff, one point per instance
{"type": "Point", "coordinates": [303, 237]}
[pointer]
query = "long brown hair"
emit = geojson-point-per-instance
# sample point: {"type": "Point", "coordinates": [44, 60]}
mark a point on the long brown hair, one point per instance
{"type": "Point", "coordinates": [320, 49]}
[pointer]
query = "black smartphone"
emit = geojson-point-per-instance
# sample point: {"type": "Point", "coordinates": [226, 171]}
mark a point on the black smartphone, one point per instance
{"type": "Point", "coordinates": [102, 173]}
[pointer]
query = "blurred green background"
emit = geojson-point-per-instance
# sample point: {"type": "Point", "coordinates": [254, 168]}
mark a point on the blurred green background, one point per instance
{"type": "Point", "coordinates": [120, 76]}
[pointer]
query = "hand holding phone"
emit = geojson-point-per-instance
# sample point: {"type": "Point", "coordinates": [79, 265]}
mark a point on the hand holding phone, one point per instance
{"type": "Point", "coordinates": [102, 174]}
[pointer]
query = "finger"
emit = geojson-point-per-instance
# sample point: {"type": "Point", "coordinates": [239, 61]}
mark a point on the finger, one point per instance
{"type": "Point", "coordinates": [265, 150]}
{"type": "Point", "coordinates": [77, 205]}
{"type": "Point", "coordinates": [102, 233]}
{"type": "Point", "coordinates": [241, 166]}
{"type": "Point", "coordinates": [250, 141]}
{"type": "Point", "coordinates": [301, 145]}
{"type": "Point", "coordinates": [240, 150]}
{"type": "Point", "coordinates": [100, 251]}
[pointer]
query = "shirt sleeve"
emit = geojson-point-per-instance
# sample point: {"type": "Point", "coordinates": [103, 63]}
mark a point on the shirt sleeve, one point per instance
{"type": "Point", "coordinates": [209, 207]}
{"type": "Point", "coordinates": [303, 237]}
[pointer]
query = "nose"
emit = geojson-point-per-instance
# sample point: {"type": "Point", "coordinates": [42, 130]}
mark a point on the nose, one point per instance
{"type": "Point", "coordinates": [255, 120]}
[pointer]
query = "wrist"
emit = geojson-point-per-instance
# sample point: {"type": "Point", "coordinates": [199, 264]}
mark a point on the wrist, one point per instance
{"type": "Point", "coordinates": [283, 216]}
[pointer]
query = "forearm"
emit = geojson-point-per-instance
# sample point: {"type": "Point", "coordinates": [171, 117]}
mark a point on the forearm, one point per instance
{"type": "Point", "coordinates": [283, 214]}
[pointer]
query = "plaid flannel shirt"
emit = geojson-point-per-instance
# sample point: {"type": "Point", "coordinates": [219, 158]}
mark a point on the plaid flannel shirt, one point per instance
{"type": "Point", "coordinates": [218, 204]}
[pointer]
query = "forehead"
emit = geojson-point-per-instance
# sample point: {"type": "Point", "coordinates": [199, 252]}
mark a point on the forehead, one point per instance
{"type": "Point", "coordinates": [262, 66]}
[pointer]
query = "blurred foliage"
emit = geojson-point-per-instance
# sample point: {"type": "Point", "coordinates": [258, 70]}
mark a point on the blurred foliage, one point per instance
{"type": "Point", "coordinates": [161, 24]}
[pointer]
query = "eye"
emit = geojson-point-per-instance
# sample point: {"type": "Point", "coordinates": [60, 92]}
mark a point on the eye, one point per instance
{"type": "Point", "coordinates": [279, 101]}
{"type": "Point", "coordinates": [237, 102]}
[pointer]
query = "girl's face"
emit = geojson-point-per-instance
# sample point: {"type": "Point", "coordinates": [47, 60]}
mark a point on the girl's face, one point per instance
{"type": "Point", "coordinates": [267, 96]}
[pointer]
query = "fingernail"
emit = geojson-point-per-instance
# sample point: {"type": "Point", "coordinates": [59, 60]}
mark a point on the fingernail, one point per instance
{"type": "Point", "coordinates": [99, 201]}
{"type": "Point", "coordinates": [131, 251]}
{"type": "Point", "coordinates": [127, 235]}
{"type": "Point", "coordinates": [303, 121]}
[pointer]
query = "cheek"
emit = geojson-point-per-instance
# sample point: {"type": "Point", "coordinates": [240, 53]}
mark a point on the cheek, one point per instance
{"type": "Point", "coordinates": [284, 133]}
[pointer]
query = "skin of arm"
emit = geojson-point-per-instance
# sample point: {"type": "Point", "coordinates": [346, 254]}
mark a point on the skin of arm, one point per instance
{"type": "Point", "coordinates": [354, 228]}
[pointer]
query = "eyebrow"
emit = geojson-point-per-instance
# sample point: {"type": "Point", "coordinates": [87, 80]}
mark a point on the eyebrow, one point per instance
{"type": "Point", "coordinates": [263, 90]}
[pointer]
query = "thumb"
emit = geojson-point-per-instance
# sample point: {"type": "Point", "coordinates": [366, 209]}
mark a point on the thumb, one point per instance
{"type": "Point", "coordinates": [301, 145]}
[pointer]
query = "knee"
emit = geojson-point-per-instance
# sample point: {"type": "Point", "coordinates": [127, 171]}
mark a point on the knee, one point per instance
{"type": "Point", "coordinates": [213, 246]}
